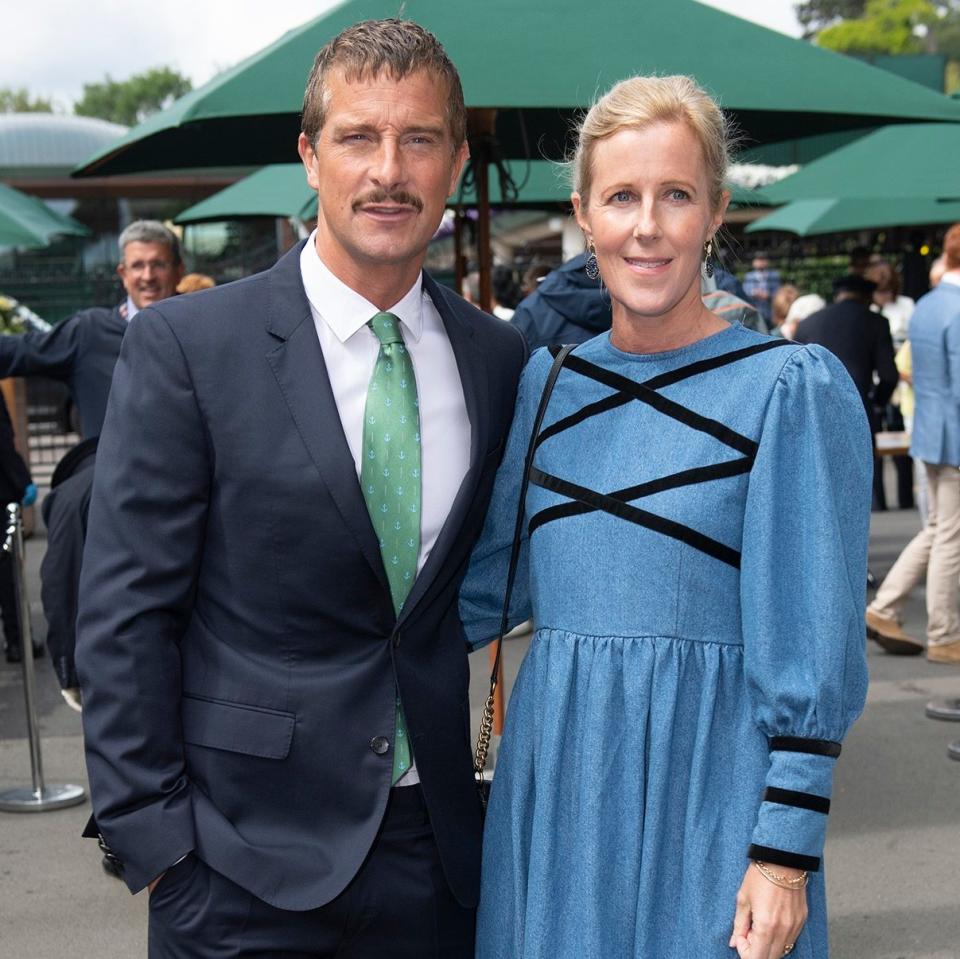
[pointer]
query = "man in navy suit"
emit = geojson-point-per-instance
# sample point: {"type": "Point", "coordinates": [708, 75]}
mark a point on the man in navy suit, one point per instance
{"type": "Point", "coordinates": [275, 684]}
{"type": "Point", "coordinates": [82, 350]}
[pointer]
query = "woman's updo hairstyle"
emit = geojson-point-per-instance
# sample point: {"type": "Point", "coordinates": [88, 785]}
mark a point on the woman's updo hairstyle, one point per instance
{"type": "Point", "coordinates": [640, 101]}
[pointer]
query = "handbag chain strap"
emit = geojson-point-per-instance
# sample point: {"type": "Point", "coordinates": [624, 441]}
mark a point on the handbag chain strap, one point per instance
{"type": "Point", "coordinates": [486, 722]}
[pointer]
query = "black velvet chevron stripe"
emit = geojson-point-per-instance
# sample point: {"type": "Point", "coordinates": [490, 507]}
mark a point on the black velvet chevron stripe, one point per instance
{"type": "Point", "coordinates": [780, 857]}
{"type": "Point", "coordinates": [799, 744]}
{"type": "Point", "coordinates": [584, 500]}
{"type": "Point", "coordinates": [656, 383]}
{"type": "Point", "coordinates": [661, 404]}
{"type": "Point", "coordinates": [600, 501]}
{"type": "Point", "coordinates": [790, 797]}
{"type": "Point", "coordinates": [699, 474]}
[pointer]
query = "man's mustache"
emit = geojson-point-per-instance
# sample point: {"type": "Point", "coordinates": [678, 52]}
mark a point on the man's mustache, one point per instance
{"type": "Point", "coordinates": [382, 196]}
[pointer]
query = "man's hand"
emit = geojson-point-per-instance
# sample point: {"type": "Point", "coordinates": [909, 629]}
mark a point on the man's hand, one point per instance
{"type": "Point", "coordinates": [153, 885]}
{"type": "Point", "coordinates": [768, 918]}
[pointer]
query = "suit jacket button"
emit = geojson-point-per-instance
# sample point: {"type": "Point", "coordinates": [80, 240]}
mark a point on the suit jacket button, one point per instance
{"type": "Point", "coordinates": [380, 744]}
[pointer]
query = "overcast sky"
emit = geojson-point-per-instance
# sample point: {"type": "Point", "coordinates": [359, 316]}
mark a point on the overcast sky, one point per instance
{"type": "Point", "coordinates": [53, 47]}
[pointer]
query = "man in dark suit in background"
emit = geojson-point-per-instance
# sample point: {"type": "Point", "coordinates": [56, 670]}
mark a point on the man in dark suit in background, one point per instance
{"type": "Point", "coordinates": [292, 472]}
{"type": "Point", "coordinates": [861, 340]}
{"type": "Point", "coordinates": [82, 351]}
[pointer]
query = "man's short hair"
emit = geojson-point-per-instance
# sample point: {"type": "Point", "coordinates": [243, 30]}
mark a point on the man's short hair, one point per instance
{"type": "Point", "coordinates": [151, 231]}
{"type": "Point", "coordinates": [856, 285]}
{"type": "Point", "coordinates": [365, 50]}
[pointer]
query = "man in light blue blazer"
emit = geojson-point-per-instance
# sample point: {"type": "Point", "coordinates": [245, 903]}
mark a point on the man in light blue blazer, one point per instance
{"type": "Point", "coordinates": [934, 336]}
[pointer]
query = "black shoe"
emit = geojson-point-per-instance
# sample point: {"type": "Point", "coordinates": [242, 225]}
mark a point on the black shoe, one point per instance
{"type": "Point", "coordinates": [13, 654]}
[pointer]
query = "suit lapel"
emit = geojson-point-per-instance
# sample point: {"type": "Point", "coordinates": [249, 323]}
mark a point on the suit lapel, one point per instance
{"type": "Point", "coordinates": [471, 365]}
{"type": "Point", "coordinates": [298, 364]}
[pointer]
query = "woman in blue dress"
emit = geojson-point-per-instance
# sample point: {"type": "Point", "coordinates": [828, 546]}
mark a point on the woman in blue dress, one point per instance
{"type": "Point", "coordinates": [664, 778]}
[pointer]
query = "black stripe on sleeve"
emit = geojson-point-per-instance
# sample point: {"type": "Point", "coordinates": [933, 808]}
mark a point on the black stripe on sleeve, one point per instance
{"type": "Point", "coordinates": [778, 857]}
{"type": "Point", "coordinates": [790, 797]}
{"type": "Point", "coordinates": [799, 744]}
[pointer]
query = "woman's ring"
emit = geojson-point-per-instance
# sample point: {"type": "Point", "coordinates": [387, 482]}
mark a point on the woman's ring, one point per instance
{"type": "Point", "coordinates": [788, 949]}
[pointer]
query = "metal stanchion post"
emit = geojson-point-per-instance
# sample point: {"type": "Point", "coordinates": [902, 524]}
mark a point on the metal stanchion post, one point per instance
{"type": "Point", "coordinates": [42, 796]}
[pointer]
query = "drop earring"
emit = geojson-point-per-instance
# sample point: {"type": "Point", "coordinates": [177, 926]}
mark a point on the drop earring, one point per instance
{"type": "Point", "coordinates": [708, 258]}
{"type": "Point", "coordinates": [592, 267]}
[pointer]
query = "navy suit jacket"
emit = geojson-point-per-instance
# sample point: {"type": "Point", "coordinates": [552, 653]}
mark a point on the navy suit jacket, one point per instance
{"type": "Point", "coordinates": [861, 340]}
{"type": "Point", "coordinates": [81, 351]}
{"type": "Point", "coordinates": [237, 645]}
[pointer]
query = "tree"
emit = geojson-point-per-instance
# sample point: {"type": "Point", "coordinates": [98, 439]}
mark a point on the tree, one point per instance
{"type": "Point", "coordinates": [887, 26]}
{"type": "Point", "coordinates": [945, 32]}
{"type": "Point", "coordinates": [20, 101]}
{"type": "Point", "coordinates": [814, 15]}
{"type": "Point", "coordinates": [131, 101]}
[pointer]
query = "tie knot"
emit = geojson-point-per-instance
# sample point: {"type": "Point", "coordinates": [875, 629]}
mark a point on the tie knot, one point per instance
{"type": "Point", "coordinates": [386, 326]}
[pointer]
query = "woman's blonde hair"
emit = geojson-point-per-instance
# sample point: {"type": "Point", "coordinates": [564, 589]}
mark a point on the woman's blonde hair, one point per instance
{"type": "Point", "coordinates": [641, 101]}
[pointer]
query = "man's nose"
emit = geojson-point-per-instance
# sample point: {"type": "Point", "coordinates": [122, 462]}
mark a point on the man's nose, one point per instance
{"type": "Point", "coordinates": [388, 168]}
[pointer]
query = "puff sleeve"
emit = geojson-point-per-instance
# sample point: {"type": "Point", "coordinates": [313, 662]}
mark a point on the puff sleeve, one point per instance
{"type": "Point", "coordinates": [803, 584]}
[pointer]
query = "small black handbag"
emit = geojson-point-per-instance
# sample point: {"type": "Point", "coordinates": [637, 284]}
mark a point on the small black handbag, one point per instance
{"type": "Point", "coordinates": [486, 723]}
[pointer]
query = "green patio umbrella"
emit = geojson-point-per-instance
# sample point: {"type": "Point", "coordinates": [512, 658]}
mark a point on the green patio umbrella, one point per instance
{"type": "Point", "coordinates": [918, 160]}
{"type": "Point", "coordinates": [536, 64]}
{"type": "Point", "coordinates": [26, 221]}
{"type": "Point", "coordinates": [813, 217]}
{"type": "Point", "coordinates": [278, 190]}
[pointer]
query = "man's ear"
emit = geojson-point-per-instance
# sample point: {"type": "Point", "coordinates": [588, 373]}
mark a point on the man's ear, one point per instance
{"type": "Point", "coordinates": [460, 161]}
{"type": "Point", "coordinates": [309, 158]}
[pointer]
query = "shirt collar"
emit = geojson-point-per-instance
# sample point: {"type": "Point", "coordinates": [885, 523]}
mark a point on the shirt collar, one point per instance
{"type": "Point", "coordinates": [343, 309]}
{"type": "Point", "coordinates": [132, 311]}
{"type": "Point", "coordinates": [953, 278]}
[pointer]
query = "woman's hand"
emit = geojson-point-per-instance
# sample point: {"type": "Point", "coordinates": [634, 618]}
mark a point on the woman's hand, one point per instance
{"type": "Point", "coordinates": [768, 918]}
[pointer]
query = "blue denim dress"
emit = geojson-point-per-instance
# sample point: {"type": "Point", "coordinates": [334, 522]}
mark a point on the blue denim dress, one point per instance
{"type": "Point", "coordinates": [695, 565]}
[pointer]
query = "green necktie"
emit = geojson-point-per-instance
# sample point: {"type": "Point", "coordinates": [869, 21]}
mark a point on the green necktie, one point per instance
{"type": "Point", "coordinates": [390, 476]}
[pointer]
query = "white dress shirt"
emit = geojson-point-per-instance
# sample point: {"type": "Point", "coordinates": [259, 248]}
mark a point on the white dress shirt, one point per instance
{"type": "Point", "coordinates": [350, 350]}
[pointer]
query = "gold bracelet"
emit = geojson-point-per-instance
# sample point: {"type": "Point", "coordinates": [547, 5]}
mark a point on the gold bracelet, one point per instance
{"type": "Point", "coordinates": [784, 882]}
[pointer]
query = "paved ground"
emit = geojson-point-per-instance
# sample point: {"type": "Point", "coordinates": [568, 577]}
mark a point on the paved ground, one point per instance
{"type": "Point", "coordinates": [892, 853]}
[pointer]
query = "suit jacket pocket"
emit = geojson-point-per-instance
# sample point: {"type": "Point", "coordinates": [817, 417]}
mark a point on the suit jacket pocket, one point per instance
{"type": "Point", "coordinates": [238, 728]}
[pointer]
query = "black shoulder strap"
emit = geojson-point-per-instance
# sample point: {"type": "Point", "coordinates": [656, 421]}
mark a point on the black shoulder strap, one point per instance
{"type": "Point", "coordinates": [558, 360]}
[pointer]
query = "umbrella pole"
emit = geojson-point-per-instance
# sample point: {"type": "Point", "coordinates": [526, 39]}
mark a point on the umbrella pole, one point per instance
{"type": "Point", "coordinates": [483, 124]}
